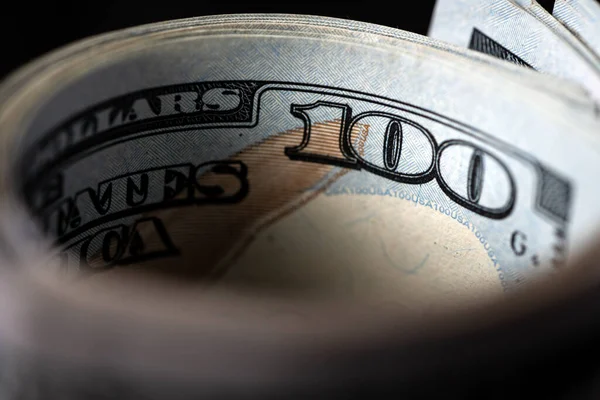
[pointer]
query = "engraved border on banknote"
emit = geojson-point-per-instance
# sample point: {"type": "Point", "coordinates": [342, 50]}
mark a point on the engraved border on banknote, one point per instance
{"type": "Point", "coordinates": [233, 168]}
{"type": "Point", "coordinates": [553, 192]}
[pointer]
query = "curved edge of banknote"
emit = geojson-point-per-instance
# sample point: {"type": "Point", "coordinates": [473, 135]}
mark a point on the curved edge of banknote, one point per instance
{"type": "Point", "coordinates": [535, 9]}
{"type": "Point", "coordinates": [581, 18]}
{"type": "Point", "coordinates": [362, 31]}
{"type": "Point", "coordinates": [520, 32]}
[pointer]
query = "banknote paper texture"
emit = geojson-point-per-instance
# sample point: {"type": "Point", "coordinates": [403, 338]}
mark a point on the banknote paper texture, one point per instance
{"type": "Point", "coordinates": [518, 31]}
{"type": "Point", "coordinates": [582, 17]}
{"type": "Point", "coordinates": [308, 156]}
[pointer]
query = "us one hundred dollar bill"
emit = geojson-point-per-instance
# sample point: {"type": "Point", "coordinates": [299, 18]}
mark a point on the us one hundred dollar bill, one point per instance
{"type": "Point", "coordinates": [308, 156]}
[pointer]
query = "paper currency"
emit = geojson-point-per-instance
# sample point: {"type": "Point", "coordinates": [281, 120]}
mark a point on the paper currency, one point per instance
{"type": "Point", "coordinates": [582, 17]}
{"type": "Point", "coordinates": [307, 154]}
{"type": "Point", "coordinates": [283, 160]}
{"type": "Point", "coordinates": [518, 31]}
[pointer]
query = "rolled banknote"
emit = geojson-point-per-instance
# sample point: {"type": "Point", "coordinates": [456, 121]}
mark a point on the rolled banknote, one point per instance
{"type": "Point", "coordinates": [519, 31]}
{"type": "Point", "coordinates": [235, 192]}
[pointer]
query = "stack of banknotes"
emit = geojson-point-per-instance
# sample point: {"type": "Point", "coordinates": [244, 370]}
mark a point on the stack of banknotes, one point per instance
{"type": "Point", "coordinates": [268, 205]}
